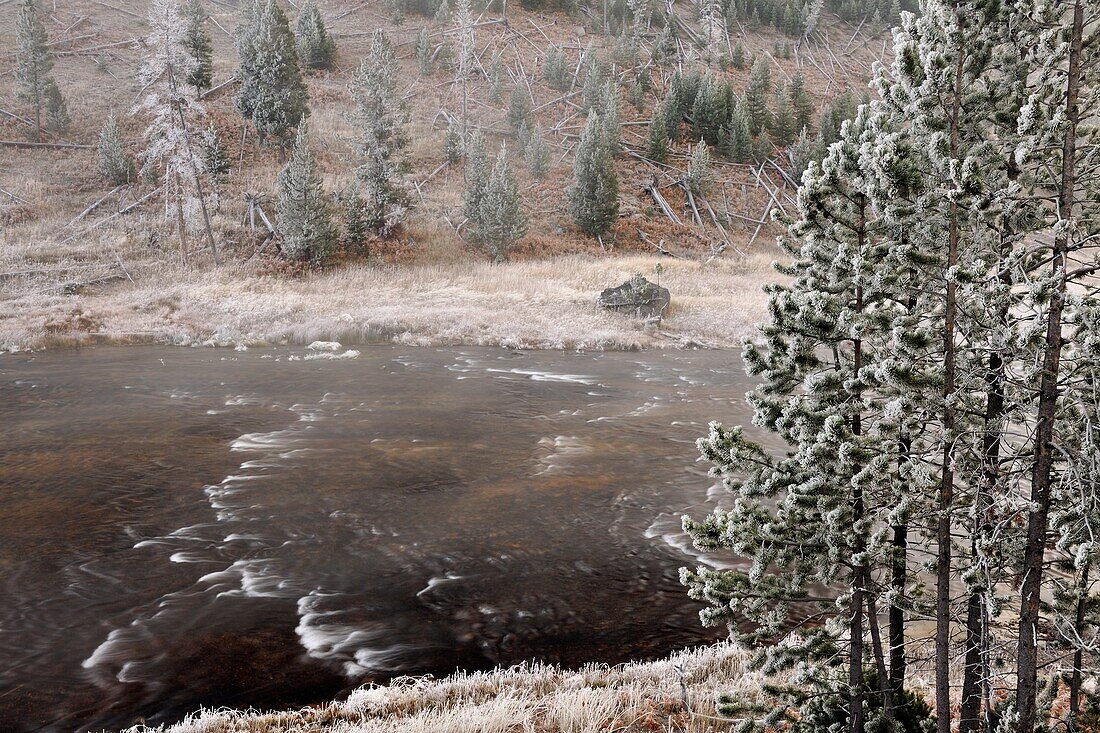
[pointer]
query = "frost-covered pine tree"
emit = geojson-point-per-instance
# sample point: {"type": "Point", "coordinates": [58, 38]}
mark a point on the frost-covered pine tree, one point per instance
{"type": "Point", "coordinates": [422, 49]}
{"type": "Point", "coordinates": [500, 221]}
{"type": "Point", "coordinates": [699, 177]}
{"type": "Point", "coordinates": [114, 165]}
{"type": "Point", "coordinates": [712, 22]}
{"type": "Point", "coordinates": [609, 117]}
{"type": "Point", "coordinates": [452, 144]}
{"type": "Point", "coordinates": [172, 106]}
{"type": "Point", "coordinates": [808, 518]}
{"type": "Point", "coordinates": [594, 194]}
{"type": "Point", "coordinates": [782, 121]}
{"type": "Point", "coordinates": [197, 42]}
{"type": "Point", "coordinates": [555, 70]}
{"type": "Point", "coordinates": [272, 94]}
{"type": "Point", "coordinates": [214, 155]}
{"type": "Point", "coordinates": [537, 154]}
{"type": "Point", "coordinates": [800, 100]}
{"type": "Point", "coordinates": [711, 109]}
{"type": "Point", "coordinates": [304, 220]}
{"type": "Point", "coordinates": [380, 117]}
{"type": "Point", "coordinates": [1059, 155]}
{"type": "Point", "coordinates": [32, 61]}
{"type": "Point", "coordinates": [519, 108]}
{"type": "Point", "coordinates": [316, 47]}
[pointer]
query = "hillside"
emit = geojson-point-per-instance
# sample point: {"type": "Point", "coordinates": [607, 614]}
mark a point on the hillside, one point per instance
{"type": "Point", "coordinates": [81, 259]}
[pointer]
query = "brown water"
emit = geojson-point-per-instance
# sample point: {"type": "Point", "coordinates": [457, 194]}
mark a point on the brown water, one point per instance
{"type": "Point", "coordinates": [186, 527]}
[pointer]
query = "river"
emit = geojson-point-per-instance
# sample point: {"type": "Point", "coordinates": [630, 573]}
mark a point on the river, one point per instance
{"type": "Point", "coordinates": [186, 527]}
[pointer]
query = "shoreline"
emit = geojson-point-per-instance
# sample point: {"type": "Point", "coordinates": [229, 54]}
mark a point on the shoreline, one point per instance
{"type": "Point", "coordinates": [677, 692]}
{"type": "Point", "coordinates": [535, 305]}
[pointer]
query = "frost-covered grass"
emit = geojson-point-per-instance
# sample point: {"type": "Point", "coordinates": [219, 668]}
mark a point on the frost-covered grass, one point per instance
{"type": "Point", "coordinates": [672, 694]}
{"type": "Point", "coordinates": [528, 304]}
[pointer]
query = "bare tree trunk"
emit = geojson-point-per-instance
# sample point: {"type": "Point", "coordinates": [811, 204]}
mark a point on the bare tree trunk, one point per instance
{"type": "Point", "coordinates": [884, 687]}
{"type": "Point", "coordinates": [1043, 467]}
{"type": "Point", "coordinates": [897, 614]}
{"type": "Point", "coordinates": [181, 225]}
{"type": "Point", "coordinates": [946, 497]}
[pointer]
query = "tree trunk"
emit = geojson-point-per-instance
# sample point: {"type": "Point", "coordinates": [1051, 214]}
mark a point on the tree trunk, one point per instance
{"type": "Point", "coordinates": [897, 614]}
{"type": "Point", "coordinates": [181, 225]}
{"type": "Point", "coordinates": [945, 498]}
{"type": "Point", "coordinates": [880, 658]}
{"type": "Point", "coordinates": [1043, 466]}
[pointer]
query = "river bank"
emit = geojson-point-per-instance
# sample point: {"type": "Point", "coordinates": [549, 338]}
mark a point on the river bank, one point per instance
{"type": "Point", "coordinates": [672, 694]}
{"type": "Point", "coordinates": [533, 304]}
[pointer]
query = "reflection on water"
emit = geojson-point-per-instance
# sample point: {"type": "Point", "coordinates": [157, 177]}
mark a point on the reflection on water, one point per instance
{"type": "Point", "coordinates": [186, 527]}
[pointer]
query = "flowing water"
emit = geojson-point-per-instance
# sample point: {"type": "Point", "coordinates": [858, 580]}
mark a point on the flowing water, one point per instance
{"type": "Point", "coordinates": [187, 527]}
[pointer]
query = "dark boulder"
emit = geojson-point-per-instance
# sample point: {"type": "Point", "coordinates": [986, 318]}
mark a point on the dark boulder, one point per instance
{"type": "Point", "coordinates": [636, 297]}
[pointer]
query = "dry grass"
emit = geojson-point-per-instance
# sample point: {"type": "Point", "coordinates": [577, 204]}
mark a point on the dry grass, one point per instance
{"type": "Point", "coordinates": [530, 304]}
{"type": "Point", "coordinates": [531, 698]}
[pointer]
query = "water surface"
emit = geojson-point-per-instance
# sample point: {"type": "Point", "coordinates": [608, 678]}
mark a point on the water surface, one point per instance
{"type": "Point", "coordinates": [186, 527]}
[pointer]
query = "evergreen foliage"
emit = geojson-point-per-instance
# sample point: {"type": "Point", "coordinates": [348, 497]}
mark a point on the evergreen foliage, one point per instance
{"type": "Point", "coordinates": [214, 155]}
{"type": "Point", "coordinates": [537, 154]}
{"type": "Point", "coordinates": [304, 221]}
{"type": "Point", "coordinates": [519, 108]}
{"type": "Point", "coordinates": [699, 177]}
{"type": "Point", "coordinates": [316, 48]}
{"type": "Point", "coordinates": [452, 144]}
{"type": "Point", "coordinates": [500, 220]}
{"type": "Point", "coordinates": [658, 139]}
{"type": "Point", "coordinates": [476, 173]}
{"type": "Point", "coordinates": [738, 142]}
{"type": "Point", "coordinates": [57, 110]}
{"type": "Point", "coordinates": [756, 95]}
{"type": "Point", "coordinates": [555, 70]}
{"type": "Point", "coordinates": [114, 166]}
{"type": "Point", "coordinates": [594, 194]}
{"type": "Point", "coordinates": [197, 42]}
{"type": "Point", "coordinates": [380, 118]}
{"type": "Point", "coordinates": [32, 60]}
{"type": "Point", "coordinates": [272, 93]}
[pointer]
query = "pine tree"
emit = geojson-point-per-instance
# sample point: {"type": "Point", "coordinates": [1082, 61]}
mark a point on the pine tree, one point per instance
{"type": "Point", "coordinates": [423, 50]}
{"type": "Point", "coordinates": [738, 143]}
{"type": "Point", "coordinates": [197, 42]}
{"type": "Point", "coordinates": [782, 125]}
{"type": "Point", "coordinates": [316, 48]}
{"type": "Point", "coordinates": [711, 109]}
{"type": "Point", "coordinates": [596, 78]}
{"type": "Point", "coordinates": [476, 174]}
{"type": "Point", "coordinates": [173, 108]}
{"type": "Point", "coordinates": [272, 94]}
{"type": "Point", "coordinates": [32, 61]}
{"type": "Point", "coordinates": [806, 517]}
{"type": "Point", "coordinates": [380, 117]}
{"type": "Point", "coordinates": [57, 110]}
{"type": "Point", "coordinates": [304, 221]}
{"type": "Point", "coordinates": [452, 144]}
{"type": "Point", "coordinates": [214, 155]}
{"type": "Point", "coordinates": [594, 195]}
{"type": "Point", "coordinates": [555, 70]}
{"type": "Point", "coordinates": [800, 100]}
{"type": "Point", "coordinates": [537, 154]}
{"type": "Point", "coordinates": [699, 177]}
{"type": "Point", "coordinates": [756, 95]}
{"type": "Point", "coordinates": [353, 222]}
{"type": "Point", "coordinates": [114, 165]}
{"type": "Point", "coordinates": [519, 108]}
{"type": "Point", "coordinates": [737, 58]}
{"type": "Point", "coordinates": [658, 139]}
{"type": "Point", "coordinates": [609, 118]}
{"type": "Point", "coordinates": [500, 220]}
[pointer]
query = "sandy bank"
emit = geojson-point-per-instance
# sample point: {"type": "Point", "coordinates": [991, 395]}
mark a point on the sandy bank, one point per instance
{"type": "Point", "coordinates": [544, 304]}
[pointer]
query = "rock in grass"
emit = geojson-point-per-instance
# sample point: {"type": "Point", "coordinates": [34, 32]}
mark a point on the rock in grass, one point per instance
{"type": "Point", "coordinates": [637, 297]}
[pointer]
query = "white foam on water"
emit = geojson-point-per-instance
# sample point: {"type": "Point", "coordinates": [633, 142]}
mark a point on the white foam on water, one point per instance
{"type": "Point", "coordinates": [558, 451]}
{"type": "Point", "coordinates": [540, 376]}
{"type": "Point", "coordinates": [358, 648]}
{"type": "Point", "coordinates": [437, 580]}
